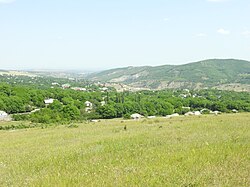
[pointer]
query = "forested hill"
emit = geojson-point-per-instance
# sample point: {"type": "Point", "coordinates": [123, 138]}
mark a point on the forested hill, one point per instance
{"type": "Point", "coordinates": [207, 73]}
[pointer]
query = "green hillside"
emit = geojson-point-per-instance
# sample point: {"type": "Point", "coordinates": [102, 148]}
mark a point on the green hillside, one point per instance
{"type": "Point", "coordinates": [206, 73]}
{"type": "Point", "coordinates": [183, 151]}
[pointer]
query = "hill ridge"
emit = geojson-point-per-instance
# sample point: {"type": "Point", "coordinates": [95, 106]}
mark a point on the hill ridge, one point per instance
{"type": "Point", "coordinates": [201, 74]}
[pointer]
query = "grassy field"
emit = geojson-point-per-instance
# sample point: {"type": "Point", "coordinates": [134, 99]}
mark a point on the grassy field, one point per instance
{"type": "Point", "coordinates": [183, 151]}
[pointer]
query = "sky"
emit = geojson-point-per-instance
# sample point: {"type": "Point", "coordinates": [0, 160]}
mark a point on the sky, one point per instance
{"type": "Point", "coordinates": [104, 34]}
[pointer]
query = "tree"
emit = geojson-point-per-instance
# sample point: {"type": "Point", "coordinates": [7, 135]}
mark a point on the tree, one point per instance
{"type": "Point", "coordinates": [71, 112]}
{"type": "Point", "coordinates": [119, 109]}
{"type": "Point", "coordinates": [107, 111]}
{"type": "Point", "coordinates": [56, 106]}
{"type": "Point", "coordinates": [5, 89]}
{"type": "Point", "coordinates": [67, 100]}
{"type": "Point", "coordinates": [165, 108]}
{"type": "Point", "coordinates": [219, 106]}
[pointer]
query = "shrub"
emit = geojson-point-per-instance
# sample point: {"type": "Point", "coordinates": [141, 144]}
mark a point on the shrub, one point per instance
{"type": "Point", "coordinates": [126, 116]}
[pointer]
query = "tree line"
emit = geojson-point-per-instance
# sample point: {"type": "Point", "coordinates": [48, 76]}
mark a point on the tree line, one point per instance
{"type": "Point", "coordinates": [69, 105]}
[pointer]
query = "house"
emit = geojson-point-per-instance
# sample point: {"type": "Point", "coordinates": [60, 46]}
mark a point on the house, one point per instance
{"type": "Point", "coordinates": [4, 116]}
{"type": "Point", "coordinates": [103, 103]}
{"type": "Point", "coordinates": [48, 101]}
{"type": "Point", "coordinates": [88, 104]}
{"type": "Point", "coordinates": [151, 117]}
{"type": "Point", "coordinates": [79, 89]}
{"type": "Point", "coordinates": [215, 112]}
{"type": "Point", "coordinates": [172, 115]}
{"type": "Point", "coordinates": [55, 84]}
{"type": "Point", "coordinates": [189, 114]}
{"type": "Point", "coordinates": [197, 113]}
{"type": "Point", "coordinates": [235, 111]}
{"type": "Point", "coordinates": [65, 86]}
{"type": "Point", "coordinates": [136, 116]}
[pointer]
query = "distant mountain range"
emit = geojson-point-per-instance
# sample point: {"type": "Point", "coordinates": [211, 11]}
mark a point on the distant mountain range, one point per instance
{"type": "Point", "coordinates": [214, 73]}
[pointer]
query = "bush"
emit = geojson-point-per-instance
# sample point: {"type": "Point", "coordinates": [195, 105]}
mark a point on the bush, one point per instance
{"type": "Point", "coordinates": [18, 117]}
{"type": "Point", "coordinates": [126, 116]}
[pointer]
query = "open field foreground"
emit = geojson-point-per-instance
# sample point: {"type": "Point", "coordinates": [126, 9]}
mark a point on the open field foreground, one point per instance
{"type": "Point", "coordinates": [182, 151]}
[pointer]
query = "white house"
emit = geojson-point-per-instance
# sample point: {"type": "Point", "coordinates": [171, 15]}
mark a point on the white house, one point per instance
{"type": "Point", "coordinates": [65, 86]}
{"type": "Point", "coordinates": [55, 84]}
{"type": "Point", "coordinates": [172, 115]}
{"type": "Point", "coordinates": [88, 104]}
{"type": "Point", "coordinates": [136, 116]}
{"type": "Point", "coordinates": [197, 113]}
{"type": "Point", "coordinates": [235, 111]}
{"type": "Point", "coordinates": [215, 112]}
{"type": "Point", "coordinates": [151, 117]}
{"type": "Point", "coordinates": [3, 114]}
{"type": "Point", "coordinates": [79, 89]}
{"type": "Point", "coordinates": [48, 101]}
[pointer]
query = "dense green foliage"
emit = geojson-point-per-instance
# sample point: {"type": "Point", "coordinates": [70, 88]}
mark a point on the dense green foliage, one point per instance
{"type": "Point", "coordinates": [27, 103]}
{"type": "Point", "coordinates": [45, 82]}
{"type": "Point", "coordinates": [207, 73]}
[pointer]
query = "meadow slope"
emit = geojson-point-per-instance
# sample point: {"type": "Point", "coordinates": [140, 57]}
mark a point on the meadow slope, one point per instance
{"type": "Point", "coordinates": [182, 151]}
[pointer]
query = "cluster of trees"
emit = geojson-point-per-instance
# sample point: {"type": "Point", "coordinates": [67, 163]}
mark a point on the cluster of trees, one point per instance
{"type": "Point", "coordinates": [45, 82]}
{"type": "Point", "coordinates": [161, 103]}
{"type": "Point", "coordinates": [14, 99]}
{"type": "Point", "coordinates": [69, 105]}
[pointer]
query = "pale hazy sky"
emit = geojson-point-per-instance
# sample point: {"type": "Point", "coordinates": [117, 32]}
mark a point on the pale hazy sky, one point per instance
{"type": "Point", "coordinates": [102, 34]}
